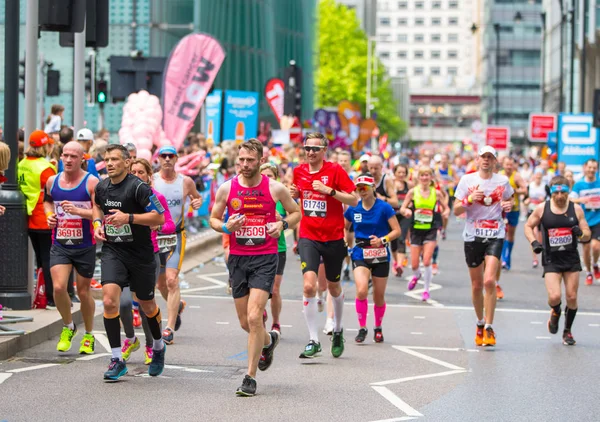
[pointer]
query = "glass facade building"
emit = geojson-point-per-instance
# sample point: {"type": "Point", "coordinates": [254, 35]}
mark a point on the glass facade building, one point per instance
{"type": "Point", "coordinates": [260, 37]}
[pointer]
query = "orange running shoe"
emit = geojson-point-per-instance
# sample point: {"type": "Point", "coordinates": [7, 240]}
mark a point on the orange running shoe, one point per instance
{"type": "Point", "coordinates": [489, 337]}
{"type": "Point", "coordinates": [137, 319]}
{"type": "Point", "coordinates": [589, 279]}
{"type": "Point", "coordinates": [499, 292]}
{"type": "Point", "coordinates": [479, 335]}
{"type": "Point", "coordinates": [596, 272]}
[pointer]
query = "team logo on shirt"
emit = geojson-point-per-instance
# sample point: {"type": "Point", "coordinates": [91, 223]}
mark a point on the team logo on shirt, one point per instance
{"type": "Point", "coordinates": [236, 203]}
{"type": "Point", "coordinates": [324, 179]}
{"type": "Point", "coordinates": [358, 218]}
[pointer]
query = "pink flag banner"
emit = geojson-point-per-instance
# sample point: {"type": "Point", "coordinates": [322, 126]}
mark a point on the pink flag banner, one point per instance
{"type": "Point", "coordinates": [189, 74]}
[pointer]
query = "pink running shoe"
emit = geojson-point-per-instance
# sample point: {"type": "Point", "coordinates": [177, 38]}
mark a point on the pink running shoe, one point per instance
{"type": "Point", "coordinates": [425, 297]}
{"type": "Point", "coordinates": [413, 282]}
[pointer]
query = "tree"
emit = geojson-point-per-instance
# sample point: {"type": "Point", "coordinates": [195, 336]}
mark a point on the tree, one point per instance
{"type": "Point", "coordinates": [341, 68]}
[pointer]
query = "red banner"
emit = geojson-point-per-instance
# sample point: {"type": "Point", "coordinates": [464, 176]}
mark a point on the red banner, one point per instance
{"type": "Point", "coordinates": [540, 124]}
{"type": "Point", "coordinates": [189, 74]}
{"type": "Point", "coordinates": [274, 95]}
{"type": "Point", "coordinates": [497, 136]}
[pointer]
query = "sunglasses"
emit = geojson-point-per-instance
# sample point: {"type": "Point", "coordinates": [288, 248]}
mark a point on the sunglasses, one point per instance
{"type": "Point", "coordinates": [313, 149]}
{"type": "Point", "coordinates": [363, 188]}
{"type": "Point", "coordinates": [167, 156]}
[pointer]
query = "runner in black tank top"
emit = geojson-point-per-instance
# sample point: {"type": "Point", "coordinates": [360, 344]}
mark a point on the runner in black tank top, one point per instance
{"type": "Point", "coordinates": [562, 223]}
{"type": "Point", "coordinates": [399, 246]}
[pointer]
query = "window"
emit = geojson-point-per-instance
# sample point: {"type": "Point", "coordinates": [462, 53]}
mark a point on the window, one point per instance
{"type": "Point", "coordinates": [418, 54]}
{"type": "Point", "coordinates": [402, 38]}
{"type": "Point", "coordinates": [452, 54]}
{"type": "Point", "coordinates": [452, 71]}
{"type": "Point", "coordinates": [453, 21]}
{"type": "Point", "coordinates": [401, 71]}
{"type": "Point", "coordinates": [436, 5]}
{"type": "Point", "coordinates": [384, 54]}
{"type": "Point", "coordinates": [384, 37]}
{"type": "Point", "coordinates": [417, 71]}
{"type": "Point", "coordinates": [452, 37]}
{"type": "Point", "coordinates": [419, 21]}
{"type": "Point", "coordinates": [419, 38]}
{"type": "Point", "coordinates": [435, 54]}
{"type": "Point", "coordinates": [402, 5]}
{"type": "Point", "coordinates": [384, 21]}
{"type": "Point", "coordinates": [402, 21]}
{"type": "Point", "coordinates": [435, 71]}
{"type": "Point", "coordinates": [419, 5]}
{"type": "Point", "coordinates": [436, 37]}
{"type": "Point", "coordinates": [402, 54]}
{"type": "Point", "coordinates": [436, 21]}
{"type": "Point", "coordinates": [453, 4]}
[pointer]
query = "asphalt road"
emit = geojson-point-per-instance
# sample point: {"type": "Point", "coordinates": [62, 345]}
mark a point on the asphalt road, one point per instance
{"type": "Point", "coordinates": [428, 368]}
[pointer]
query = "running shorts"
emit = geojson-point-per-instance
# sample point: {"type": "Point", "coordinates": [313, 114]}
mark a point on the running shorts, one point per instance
{"type": "Point", "coordinates": [512, 218]}
{"type": "Point", "coordinates": [83, 259]}
{"type": "Point", "coordinates": [399, 245]}
{"type": "Point", "coordinates": [333, 254]}
{"type": "Point", "coordinates": [251, 272]}
{"type": "Point", "coordinates": [595, 233]}
{"type": "Point", "coordinates": [174, 258]}
{"type": "Point", "coordinates": [381, 269]}
{"type": "Point", "coordinates": [282, 257]}
{"type": "Point", "coordinates": [123, 271]}
{"type": "Point", "coordinates": [420, 237]}
{"type": "Point", "coordinates": [475, 252]}
{"type": "Point", "coordinates": [575, 267]}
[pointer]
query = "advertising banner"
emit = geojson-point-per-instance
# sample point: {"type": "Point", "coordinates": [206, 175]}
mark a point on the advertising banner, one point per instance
{"type": "Point", "coordinates": [213, 114]}
{"type": "Point", "coordinates": [189, 73]}
{"type": "Point", "coordinates": [539, 126]}
{"type": "Point", "coordinates": [497, 137]}
{"type": "Point", "coordinates": [577, 140]}
{"type": "Point", "coordinates": [274, 90]}
{"type": "Point", "coordinates": [240, 116]}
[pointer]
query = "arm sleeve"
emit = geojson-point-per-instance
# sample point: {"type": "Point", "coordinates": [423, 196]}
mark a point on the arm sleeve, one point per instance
{"type": "Point", "coordinates": [169, 226]}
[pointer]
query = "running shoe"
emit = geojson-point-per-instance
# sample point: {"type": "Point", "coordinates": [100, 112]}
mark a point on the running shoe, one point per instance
{"type": "Point", "coordinates": [553, 322]}
{"type": "Point", "coordinates": [157, 365]}
{"type": "Point", "coordinates": [266, 357]}
{"type": "Point", "coordinates": [425, 296]}
{"type": "Point", "coordinates": [328, 327]}
{"type": "Point", "coordinates": [435, 269]}
{"type": "Point", "coordinates": [295, 249]}
{"type": "Point", "coordinates": [95, 284]}
{"type": "Point", "coordinates": [337, 344]}
{"type": "Point", "coordinates": [311, 350]}
{"type": "Point", "coordinates": [88, 344]}
{"type": "Point", "coordinates": [181, 308]}
{"type": "Point", "coordinates": [347, 274]}
{"type": "Point", "coordinates": [499, 292]}
{"type": "Point", "coordinates": [443, 234]}
{"type": "Point", "coordinates": [413, 282]}
{"type": "Point", "coordinates": [589, 279]}
{"type": "Point", "coordinates": [66, 336]}
{"type": "Point", "coordinates": [248, 387]}
{"type": "Point", "coordinates": [116, 369]}
{"type": "Point", "coordinates": [479, 335]}
{"type": "Point", "coordinates": [378, 336]}
{"type": "Point", "coordinates": [265, 318]}
{"type": "Point", "coordinates": [596, 272]}
{"type": "Point", "coordinates": [137, 319]}
{"type": "Point", "coordinates": [361, 336]}
{"type": "Point", "coordinates": [568, 339]}
{"type": "Point", "coordinates": [489, 337]}
{"type": "Point", "coordinates": [168, 336]}
{"type": "Point", "coordinates": [148, 355]}
{"type": "Point", "coordinates": [51, 306]}
{"type": "Point", "coordinates": [535, 263]}
{"type": "Point", "coordinates": [398, 270]}
{"type": "Point", "coordinates": [129, 347]}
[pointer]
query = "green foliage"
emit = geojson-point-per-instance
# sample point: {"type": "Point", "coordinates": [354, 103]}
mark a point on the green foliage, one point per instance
{"type": "Point", "coordinates": [341, 68]}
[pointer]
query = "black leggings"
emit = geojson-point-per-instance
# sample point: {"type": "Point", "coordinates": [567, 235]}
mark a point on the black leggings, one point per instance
{"type": "Point", "coordinates": [41, 240]}
{"type": "Point", "coordinates": [399, 245]}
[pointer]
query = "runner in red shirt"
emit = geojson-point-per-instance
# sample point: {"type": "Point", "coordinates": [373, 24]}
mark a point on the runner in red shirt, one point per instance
{"type": "Point", "coordinates": [323, 188]}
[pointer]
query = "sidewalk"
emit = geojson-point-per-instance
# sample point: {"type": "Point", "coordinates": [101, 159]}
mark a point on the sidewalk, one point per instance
{"type": "Point", "coordinates": [200, 248]}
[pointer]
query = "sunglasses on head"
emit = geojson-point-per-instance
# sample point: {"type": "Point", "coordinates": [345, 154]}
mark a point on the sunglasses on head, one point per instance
{"type": "Point", "coordinates": [308, 148]}
{"type": "Point", "coordinates": [167, 156]}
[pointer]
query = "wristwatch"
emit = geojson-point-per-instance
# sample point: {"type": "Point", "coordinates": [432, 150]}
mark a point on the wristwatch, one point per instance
{"type": "Point", "coordinates": [332, 193]}
{"type": "Point", "coordinates": [285, 224]}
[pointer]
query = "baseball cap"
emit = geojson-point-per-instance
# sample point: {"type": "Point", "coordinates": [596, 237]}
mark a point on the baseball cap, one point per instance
{"type": "Point", "coordinates": [365, 179]}
{"type": "Point", "coordinates": [488, 149]}
{"type": "Point", "coordinates": [85, 135]}
{"type": "Point", "coordinates": [364, 158]}
{"type": "Point", "coordinates": [38, 138]}
{"type": "Point", "coordinates": [167, 149]}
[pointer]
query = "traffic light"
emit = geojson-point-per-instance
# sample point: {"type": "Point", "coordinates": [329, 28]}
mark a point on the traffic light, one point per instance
{"type": "Point", "coordinates": [22, 76]}
{"type": "Point", "coordinates": [292, 98]}
{"type": "Point", "coordinates": [101, 91]}
{"type": "Point", "coordinates": [90, 77]}
{"type": "Point", "coordinates": [52, 83]}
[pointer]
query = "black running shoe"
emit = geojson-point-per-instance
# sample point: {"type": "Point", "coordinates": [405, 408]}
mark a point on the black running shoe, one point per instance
{"type": "Point", "coordinates": [168, 335]}
{"type": "Point", "coordinates": [248, 387]}
{"type": "Point", "coordinates": [553, 322]}
{"type": "Point", "coordinates": [347, 274]}
{"type": "Point", "coordinates": [266, 357]}
{"type": "Point", "coordinates": [179, 311]}
{"type": "Point", "coordinates": [157, 365]}
{"type": "Point", "coordinates": [116, 369]}
{"type": "Point", "coordinates": [378, 335]}
{"type": "Point", "coordinates": [361, 336]}
{"type": "Point", "coordinates": [568, 339]}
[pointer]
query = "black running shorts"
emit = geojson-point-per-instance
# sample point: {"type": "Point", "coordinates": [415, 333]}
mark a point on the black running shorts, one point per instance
{"type": "Point", "coordinates": [82, 259]}
{"type": "Point", "coordinates": [381, 269]}
{"type": "Point", "coordinates": [420, 237]}
{"type": "Point", "coordinates": [595, 233]}
{"type": "Point", "coordinates": [251, 272]}
{"type": "Point", "coordinates": [475, 252]}
{"type": "Point", "coordinates": [575, 267]}
{"type": "Point", "coordinates": [333, 254]}
{"type": "Point", "coordinates": [281, 259]}
{"type": "Point", "coordinates": [124, 271]}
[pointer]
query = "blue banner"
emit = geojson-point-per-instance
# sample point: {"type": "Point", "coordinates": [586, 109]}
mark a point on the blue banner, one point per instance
{"type": "Point", "coordinates": [240, 121]}
{"type": "Point", "coordinates": [213, 112]}
{"type": "Point", "coordinates": [552, 140]}
{"type": "Point", "coordinates": [578, 140]}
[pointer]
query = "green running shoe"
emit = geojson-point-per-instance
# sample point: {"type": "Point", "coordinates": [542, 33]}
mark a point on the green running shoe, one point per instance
{"type": "Point", "coordinates": [88, 343]}
{"type": "Point", "coordinates": [129, 347]}
{"type": "Point", "coordinates": [311, 350]}
{"type": "Point", "coordinates": [337, 344]}
{"type": "Point", "coordinates": [64, 344]}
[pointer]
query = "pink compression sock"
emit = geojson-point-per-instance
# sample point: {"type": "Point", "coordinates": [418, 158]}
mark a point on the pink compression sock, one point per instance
{"type": "Point", "coordinates": [362, 307]}
{"type": "Point", "coordinates": [379, 313]}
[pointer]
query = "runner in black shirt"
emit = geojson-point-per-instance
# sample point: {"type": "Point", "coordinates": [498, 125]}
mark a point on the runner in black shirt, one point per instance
{"type": "Point", "coordinates": [124, 210]}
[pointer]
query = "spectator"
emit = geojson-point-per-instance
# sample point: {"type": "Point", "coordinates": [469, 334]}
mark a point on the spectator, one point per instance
{"type": "Point", "coordinates": [103, 134]}
{"type": "Point", "coordinates": [54, 120]}
{"type": "Point", "coordinates": [132, 149]}
{"type": "Point", "coordinates": [66, 135]}
{"type": "Point", "coordinates": [4, 163]}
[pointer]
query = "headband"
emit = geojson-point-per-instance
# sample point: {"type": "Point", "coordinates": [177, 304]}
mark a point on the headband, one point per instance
{"type": "Point", "coordinates": [559, 188]}
{"type": "Point", "coordinates": [364, 180]}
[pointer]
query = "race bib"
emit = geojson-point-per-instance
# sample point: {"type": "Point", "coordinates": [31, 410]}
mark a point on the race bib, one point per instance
{"type": "Point", "coordinates": [559, 238]}
{"type": "Point", "coordinates": [375, 255]}
{"type": "Point", "coordinates": [118, 234]}
{"type": "Point", "coordinates": [487, 229]}
{"type": "Point", "coordinates": [315, 206]}
{"type": "Point", "coordinates": [534, 203]}
{"type": "Point", "coordinates": [69, 231]}
{"type": "Point", "coordinates": [593, 203]}
{"type": "Point", "coordinates": [424, 216]}
{"type": "Point", "coordinates": [166, 243]}
{"type": "Point", "coordinates": [253, 232]}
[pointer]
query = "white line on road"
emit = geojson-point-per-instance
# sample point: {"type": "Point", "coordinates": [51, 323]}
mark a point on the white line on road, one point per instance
{"type": "Point", "coordinates": [396, 401]}
{"type": "Point", "coordinates": [352, 329]}
{"type": "Point", "coordinates": [441, 349]}
{"type": "Point", "coordinates": [418, 317]}
{"type": "Point", "coordinates": [543, 338]}
{"type": "Point", "coordinates": [207, 277]}
{"type": "Point", "coordinates": [92, 357]}
{"type": "Point", "coordinates": [33, 368]}
{"type": "Point", "coordinates": [408, 350]}
{"type": "Point", "coordinates": [537, 322]}
{"type": "Point", "coordinates": [4, 376]}
{"type": "Point", "coordinates": [103, 340]}
{"type": "Point", "coordinates": [594, 325]}
{"type": "Point", "coordinates": [286, 326]}
{"type": "Point", "coordinates": [222, 323]}
{"type": "Point", "coordinates": [419, 377]}
{"type": "Point", "coordinates": [194, 307]}
{"type": "Point", "coordinates": [403, 418]}
{"type": "Point", "coordinates": [416, 333]}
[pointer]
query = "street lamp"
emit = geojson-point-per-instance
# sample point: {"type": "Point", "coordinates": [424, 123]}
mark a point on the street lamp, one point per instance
{"type": "Point", "coordinates": [563, 19]}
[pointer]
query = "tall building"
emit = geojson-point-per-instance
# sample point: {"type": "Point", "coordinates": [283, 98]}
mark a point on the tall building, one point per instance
{"type": "Point", "coordinates": [260, 37]}
{"type": "Point", "coordinates": [512, 38]}
{"type": "Point", "coordinates": [366, 12]}
{"type": "Point", "coordinates": [432, 45]}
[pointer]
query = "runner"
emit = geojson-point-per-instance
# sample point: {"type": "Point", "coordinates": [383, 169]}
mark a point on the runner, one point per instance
{"type": "Point", "coordinates": [512, 217]}
{"type": "Point", "coordinates": [384, 186]}
{"type": "Point", "coordinates": [68, 206]}
{"type": "Point", "coordinates": [250, 199]}
{"type": "Point", "coordinates": [402, 186]}
{"type": "Point", "coordinates": [536, 194]}
{"type": "Point", "coordinates": [424, 201]}
{"type": "Point", "coordinates": [125, 208]}
{"type": "Point", "coordinates": [142, 169]}
{"type": "Point", "coordinates": [483, 195]}
{"type": "Point", "coordinates": [561, 220]}
{"type": "Point", "coordinates": [587, 193]}
{"type": "Point", "coordinates": [176, 188]}
{"type": "Point", "coordinates": [323, 188]}
{"type": "Point", "coordinates": [372, 219]}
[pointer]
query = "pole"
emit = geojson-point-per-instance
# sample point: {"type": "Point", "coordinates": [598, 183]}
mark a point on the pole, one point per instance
{"type": "Point", "coordinates": [561, 97]}
{"type": "Point", "coordinates": [497, 116]}
{"type": "Point", "coordinates": [41, 90]}
{"type": "Point", "coordinates": [368, 108]}
{"type": "Point", "coordinates": [572, 64]}
{"type": "Point", "coordinates": [583, 56]}
{"type": "Point", "coordinates": [543, 16]}
{"type": "Point", "coordinates": [79, 79]}
{"type": "Point", "coordinates": [31, 59]}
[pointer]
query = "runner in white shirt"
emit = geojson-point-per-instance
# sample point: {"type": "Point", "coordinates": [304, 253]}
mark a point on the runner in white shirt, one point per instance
{"type": "Point", "coordinates": [484, 196]}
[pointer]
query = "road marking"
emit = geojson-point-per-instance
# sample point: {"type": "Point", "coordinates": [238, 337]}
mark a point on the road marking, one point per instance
{"type": "Point", "coordinates": [443, 349]}
{"type": "Point", "coordinates": [240, 356]}
{"type": "Point", "coordinates": [194, 307]}
{"type": "Point", "coordinates": [4, 376]}
{"type": "Point", "coordinates": [208, 277]}
{"type": "Point", "coordinates": [352, 329]}
{"type": "Point", "coordinates": [594, 325]}
{"type": "Point", "coordinates": [396, 401]}
{"type": "Point", "coordinates": [222, 323]}
{"type": "Point", "coordinates": [187, 369]}
{"type": "Point", "coordinates": [416, 333]}
{"type": "Point", "coordinates": [33, 368]}
{"type": "Point", "coordinates": [416, 294]}
{"type": "Point", "coordinates": [286, 326]}
{"type": "Point", "coordinates": [418, 317]}
{"type": "Point", "coordinates": [410, 351]}
{"type": "Point", "coordinates": [403, 418]}
{"type": "Point", "coordinates": [103, 340]}
{"type": "Point", "coordinates": [419, 377]}
{"type": "Point", "coordinates": [537, 322]}
{"type": "Point", "coordinates": [95, 356]}
{"type": "Point", "coordinates": [543, 338]}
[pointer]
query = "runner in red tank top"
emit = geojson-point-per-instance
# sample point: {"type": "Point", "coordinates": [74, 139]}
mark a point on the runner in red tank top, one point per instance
{"type": "Point", "coordinates": [253, 230]}
{"type": "Point", "coordinates": [323, 188]}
